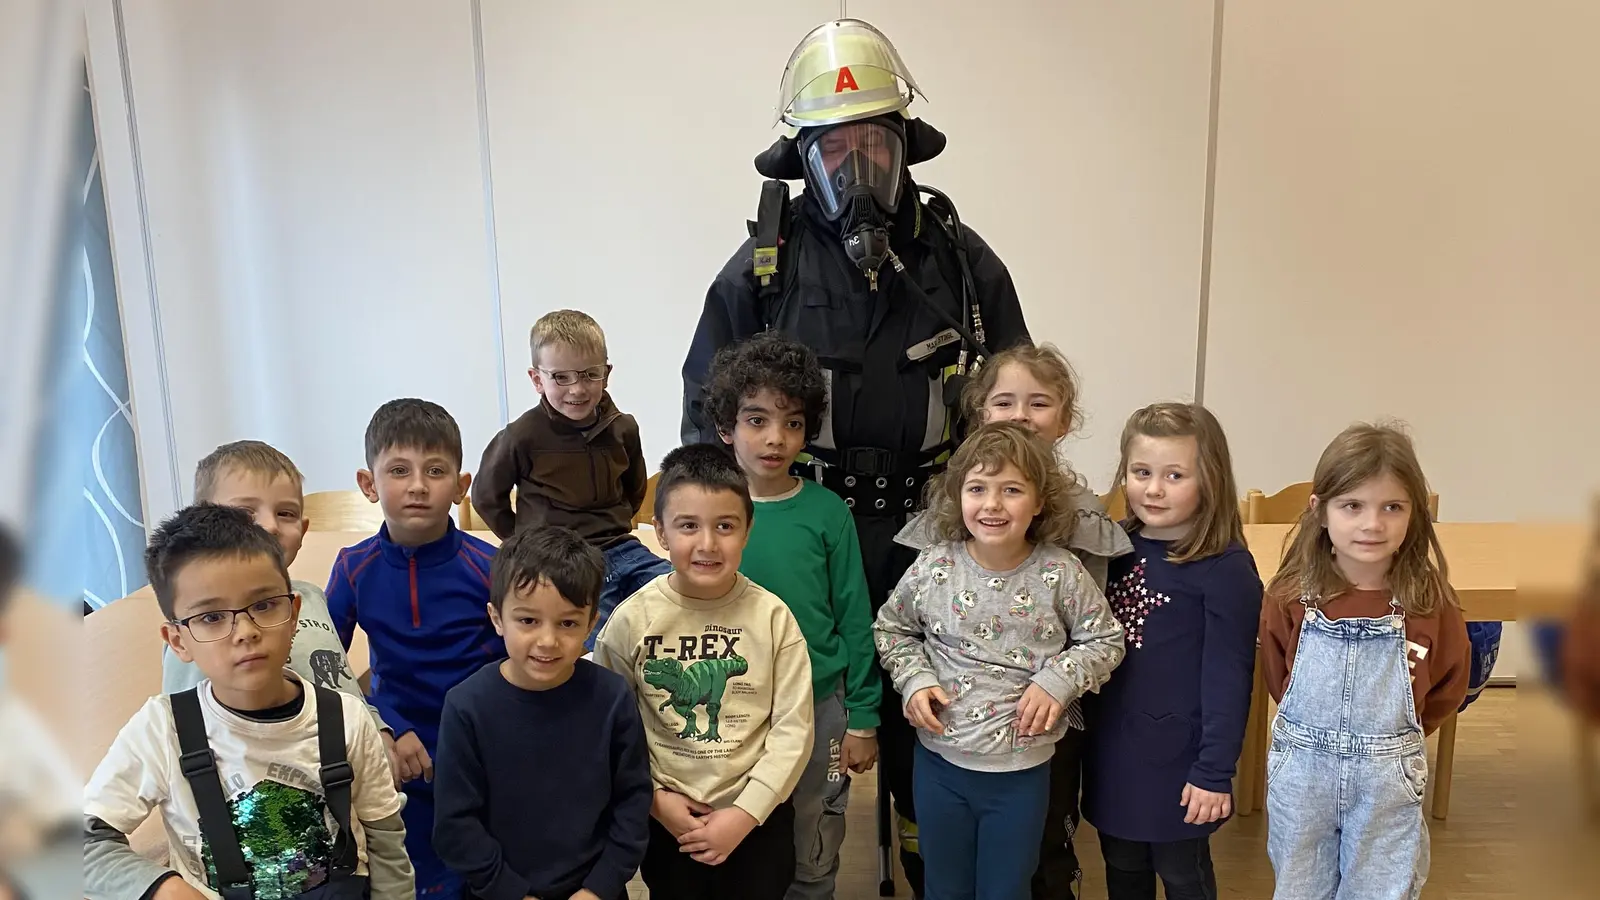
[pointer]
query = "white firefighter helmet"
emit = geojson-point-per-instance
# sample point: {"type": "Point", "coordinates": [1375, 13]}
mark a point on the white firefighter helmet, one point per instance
{"type": "Point", "coordinates": [842, 71]}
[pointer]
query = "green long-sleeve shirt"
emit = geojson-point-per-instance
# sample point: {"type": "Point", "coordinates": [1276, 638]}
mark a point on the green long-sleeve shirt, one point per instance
{"type": "Point", "coordinates": [803, 548]}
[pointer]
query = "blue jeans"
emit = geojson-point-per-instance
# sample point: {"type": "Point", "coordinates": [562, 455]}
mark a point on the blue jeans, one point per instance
{"type": "Point", "coordinates": [980, 831]}
{"type": "Point", "coordinates": [630, 566]}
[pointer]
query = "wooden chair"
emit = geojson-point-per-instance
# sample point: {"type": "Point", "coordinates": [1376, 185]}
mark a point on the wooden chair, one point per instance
{"type": "Point", "coordinates": [342, 511]}
{"type": "Point", "coordinates": [468, 518]}
{"type": "Point", "coordinates": [1282, 508]}
{"type": "Point", "coordinates": [1115, 502]}
{"type": "Point", "coordinates": [121, 647]}
{"type": "Point", "coordinates": [647, 511]}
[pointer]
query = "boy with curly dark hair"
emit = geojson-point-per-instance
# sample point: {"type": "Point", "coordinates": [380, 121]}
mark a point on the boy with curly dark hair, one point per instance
{"type": "Point", "coordinates": [767, 398]}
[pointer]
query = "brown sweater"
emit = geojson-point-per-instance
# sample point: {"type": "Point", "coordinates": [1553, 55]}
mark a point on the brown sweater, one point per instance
{"type": "Point", "coordinates": [1440, 655]}
{"type": "Point", "coordinates": [589, 477]}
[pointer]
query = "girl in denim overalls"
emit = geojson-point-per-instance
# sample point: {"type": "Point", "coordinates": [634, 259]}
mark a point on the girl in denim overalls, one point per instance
{"type": "Point", "coordinates": [1361, 624]}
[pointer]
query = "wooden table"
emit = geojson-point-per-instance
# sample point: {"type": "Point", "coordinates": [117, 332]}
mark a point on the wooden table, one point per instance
{"type": "Point", "coordinates": [1549, 561]}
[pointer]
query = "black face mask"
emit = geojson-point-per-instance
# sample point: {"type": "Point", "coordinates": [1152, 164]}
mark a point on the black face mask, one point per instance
{"type": "Point", "coordinates": [855, 172]}
{"type": "Point", "coordinates": [865, 230]}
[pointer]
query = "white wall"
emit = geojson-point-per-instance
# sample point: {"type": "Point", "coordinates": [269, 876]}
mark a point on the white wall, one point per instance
{"type": "Point", "coordinates": [315, 224]}
{"type": "Point", "coordinates": [622, 148]}
{"type": "Point", "coordinates": [1378, 253]}
{"type": "Point", "coordinates": [1077, 149]}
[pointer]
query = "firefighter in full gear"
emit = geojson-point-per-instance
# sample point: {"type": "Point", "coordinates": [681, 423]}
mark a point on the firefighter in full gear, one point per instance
{"type": "Point", "coordinates": [897, 298]}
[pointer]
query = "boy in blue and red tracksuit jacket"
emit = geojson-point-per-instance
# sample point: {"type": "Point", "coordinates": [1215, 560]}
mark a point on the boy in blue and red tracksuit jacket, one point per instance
{"type": "Point", "coordinates": [419, 589]}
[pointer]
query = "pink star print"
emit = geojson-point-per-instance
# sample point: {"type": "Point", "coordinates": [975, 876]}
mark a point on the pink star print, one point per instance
{"type": "Point", "coordinates": [1132, 602]}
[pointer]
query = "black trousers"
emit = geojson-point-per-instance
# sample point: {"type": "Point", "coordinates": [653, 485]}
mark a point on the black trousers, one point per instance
{"type": "Point", "coordinates": [1059, 873]}
{"type": "Point", "coordinates": [885, 563]}
{"type": "Point", "coordinates": [1183, 866]}
{"type": "Point", "coordinates": [760, 868]}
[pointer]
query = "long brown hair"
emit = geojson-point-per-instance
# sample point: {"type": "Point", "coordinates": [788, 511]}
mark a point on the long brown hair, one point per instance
{"type": "Point", "coordinates": [1418, 576]}
{"type": "Point", "coordinates": [990, 449]}
{"type": "Point", "coordinates": [1048, 366]}
{"type": "Point", "coordinates": [1217, 524]}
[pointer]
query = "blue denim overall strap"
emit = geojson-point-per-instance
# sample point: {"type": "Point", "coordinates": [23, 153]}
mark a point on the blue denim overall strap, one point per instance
{"type": "Point", "coordinates": [1348, 766]}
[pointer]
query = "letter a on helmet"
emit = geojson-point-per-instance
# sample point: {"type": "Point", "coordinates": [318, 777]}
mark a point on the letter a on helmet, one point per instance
{"type": "Point", "coordinates": [843, 71]}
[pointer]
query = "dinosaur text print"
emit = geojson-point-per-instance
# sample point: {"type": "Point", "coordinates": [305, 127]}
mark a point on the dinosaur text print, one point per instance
{"type": "Point", "coordinates": [715, 643]}
{"type": "Point", "coordinates": [696, 683]}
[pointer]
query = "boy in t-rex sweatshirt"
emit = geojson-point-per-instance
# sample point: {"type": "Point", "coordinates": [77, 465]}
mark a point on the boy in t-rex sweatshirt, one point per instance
{"type": "Point", "coordinates": [723, 681]}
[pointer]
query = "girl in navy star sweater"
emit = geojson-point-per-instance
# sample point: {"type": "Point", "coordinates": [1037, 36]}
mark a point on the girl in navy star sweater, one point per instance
{"type": "Point", "coordinates": [1164, 734]}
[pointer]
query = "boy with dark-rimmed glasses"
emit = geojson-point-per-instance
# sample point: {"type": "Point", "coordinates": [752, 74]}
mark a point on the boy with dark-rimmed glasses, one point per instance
{"type": "Point", "coordinates": [268, 786]}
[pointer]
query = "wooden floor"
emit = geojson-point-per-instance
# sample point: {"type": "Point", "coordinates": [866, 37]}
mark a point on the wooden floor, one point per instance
{"type": "Point", "coordinates": [1478, 853]}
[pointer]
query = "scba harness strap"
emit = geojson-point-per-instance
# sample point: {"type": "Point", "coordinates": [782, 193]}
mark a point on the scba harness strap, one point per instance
{"type": "Point", "coordinates": [776, 218]}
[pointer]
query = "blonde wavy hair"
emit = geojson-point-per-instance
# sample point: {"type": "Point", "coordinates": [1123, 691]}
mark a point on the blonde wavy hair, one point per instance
{"type": "Point", "coordinates": [989, 449]}
{"type": "Point", "coordinates": [1048, 366]}
{"type": "Point", "coordinates": [1418, 576]}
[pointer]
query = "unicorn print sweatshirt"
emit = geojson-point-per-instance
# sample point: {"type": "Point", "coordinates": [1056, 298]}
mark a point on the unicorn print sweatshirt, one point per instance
{"type": "Point", "coordinates": [985, 637]}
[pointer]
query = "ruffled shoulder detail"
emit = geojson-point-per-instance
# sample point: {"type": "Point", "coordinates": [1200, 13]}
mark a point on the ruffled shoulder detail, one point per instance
{"type": "Point", "coordinates": [1095, 533]}
{"type": "Point", "coordinates": [918, 533]}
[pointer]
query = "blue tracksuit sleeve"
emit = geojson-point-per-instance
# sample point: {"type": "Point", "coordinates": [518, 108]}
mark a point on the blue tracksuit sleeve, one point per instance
{"type": "Point", "coordinates": [344, 610]}
{"type": "Point", "coordinates": [1227, 668]}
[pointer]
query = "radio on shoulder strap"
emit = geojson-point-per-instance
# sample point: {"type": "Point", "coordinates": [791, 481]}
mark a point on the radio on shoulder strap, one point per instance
{"type": "Point", "coordinates": [772, 220]}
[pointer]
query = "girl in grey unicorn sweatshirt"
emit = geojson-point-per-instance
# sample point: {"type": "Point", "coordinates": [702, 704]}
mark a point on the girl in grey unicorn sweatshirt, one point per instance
{"type": "Point", "coordinates": [989, 637]}
{"type": "Point", "coordinates": [985, 636]}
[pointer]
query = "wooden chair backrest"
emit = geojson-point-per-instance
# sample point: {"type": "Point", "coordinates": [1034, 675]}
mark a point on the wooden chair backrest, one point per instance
{"type": "Point", "coordinates": [342, 511]}
{"type": "Point", "coordinates": [1285, 507]}
{"type": "Point", "coordinates": [1116, 504]}
{"type": "Point", "coordinates": [647, 510]}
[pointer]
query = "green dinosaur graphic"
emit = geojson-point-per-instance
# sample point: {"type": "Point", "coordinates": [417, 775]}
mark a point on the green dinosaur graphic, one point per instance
{"type": "Point", "coordinates": [703, 682]}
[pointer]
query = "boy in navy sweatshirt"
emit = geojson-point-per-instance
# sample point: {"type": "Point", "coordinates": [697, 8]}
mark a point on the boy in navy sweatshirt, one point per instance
{"type": "Point", "coordinates": [419, 588]}
{"type": "Point", "coordinates": [543, 779]}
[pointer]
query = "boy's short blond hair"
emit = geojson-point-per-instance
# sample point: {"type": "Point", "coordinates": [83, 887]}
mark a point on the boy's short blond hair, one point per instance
{"type": "Point", "coordinates": [577, 330]}
{"type": "Point", "coordinates": [254, 457]}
